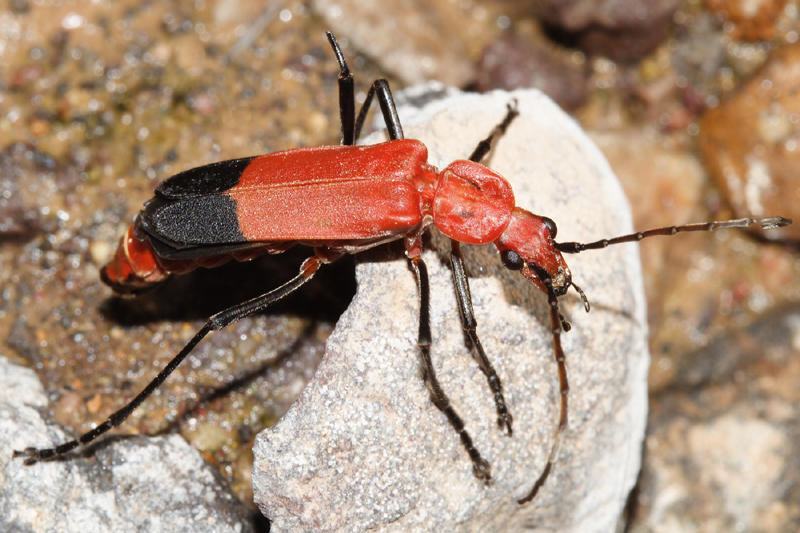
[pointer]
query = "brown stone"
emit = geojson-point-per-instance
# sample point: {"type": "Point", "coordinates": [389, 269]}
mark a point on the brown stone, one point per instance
{"type": "Point", "coordinates": [514, 61]}
{"type": "Point", "coordinates": [623, 30]}
{"type": "Point", "coordinates": [751, 143]}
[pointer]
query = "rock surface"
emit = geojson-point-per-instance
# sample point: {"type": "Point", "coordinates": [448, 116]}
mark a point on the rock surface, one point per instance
{"type": "Point", "coordinates": [139, 484]}
{"type": "Point", "coordinates": [407, 38]}
{"type": "Point", "coordinates": [517, 61]}
{"type": "Point", "coordinates": [364, 448]}
{"type": "Point", "coordinates": [751, 143]}
{"type": "Point", "coordinates": [722, 444]}
{"type": "Point", "coordinates": [624, 30]}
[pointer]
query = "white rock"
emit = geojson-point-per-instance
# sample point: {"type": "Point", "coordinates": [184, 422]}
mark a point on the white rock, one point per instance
{"type": "Point", "coordinates": [364, 447]}
{"type": "Point", "coordinates": [130, 485]}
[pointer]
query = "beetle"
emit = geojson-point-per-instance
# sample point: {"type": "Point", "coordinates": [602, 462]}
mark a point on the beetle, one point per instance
{"type": "Point", "coordinates": [343, 200]}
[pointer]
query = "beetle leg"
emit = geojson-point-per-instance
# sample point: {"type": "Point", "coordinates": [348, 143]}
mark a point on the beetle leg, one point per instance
{"type": "Point", "coordinates": [485, 145]}
{"type": "Point", "coordinates": [461, 285]}
{"type": "Point", "coordinates": [215, 322]}
{"type": "Point", "coordinates": [480, 466]}
{"type": "Point", "coordinates": [351, 127]}
{"type": "Point", "coordinates": [347, 106]}
{"type": "Point", "coordinates": [563, 385]}
{"type": "Point", "coordinates": [388, 109]}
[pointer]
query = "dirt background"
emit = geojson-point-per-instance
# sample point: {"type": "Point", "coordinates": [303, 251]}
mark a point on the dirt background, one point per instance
{"type": "Point", "coordinates": [694, 103]}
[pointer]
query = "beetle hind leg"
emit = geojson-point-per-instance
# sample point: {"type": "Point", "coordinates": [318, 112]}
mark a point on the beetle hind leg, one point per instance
{"type": "Point", "coordinates": [381, 88]}
{"type": "Point", "coordinates": [347, 105]}
{"type": "Point", "coordinates": [351, 126]}
{"type": "Point", "coordinates": [215, 322]}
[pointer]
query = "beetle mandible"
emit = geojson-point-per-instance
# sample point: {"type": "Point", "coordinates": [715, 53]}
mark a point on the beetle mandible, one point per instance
{"type": "Point", "coordinates": [343, 200]}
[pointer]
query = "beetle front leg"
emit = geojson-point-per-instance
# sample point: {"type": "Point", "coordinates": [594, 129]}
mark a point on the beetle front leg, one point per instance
{"type": "Point", "coordinates": [461, 285]}
{"type": "Point", "coordinates": [480, 466]}
{"type": "Point", "coordinates": [563, 384]}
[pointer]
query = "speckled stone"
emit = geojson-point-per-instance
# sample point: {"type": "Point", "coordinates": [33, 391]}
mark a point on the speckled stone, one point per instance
{"type": "Point", "coordinates": [130, 485]}
{"type": "Point", "coordinates": [364, 448]}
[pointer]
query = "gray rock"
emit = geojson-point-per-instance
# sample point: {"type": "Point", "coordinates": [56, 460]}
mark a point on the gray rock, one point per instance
{"type": "Point", "coordinates": [364, 448]}
{"type": "Point", "coordinates": [136, 484]}
{"type": "Point", "coordinates": [722, 442]}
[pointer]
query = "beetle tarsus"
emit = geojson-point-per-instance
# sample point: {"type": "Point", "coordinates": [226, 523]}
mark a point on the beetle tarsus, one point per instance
{"type": "Point", "coordinates": [482, 470]}
{"type": "Point", "coordinates": [505, 421]}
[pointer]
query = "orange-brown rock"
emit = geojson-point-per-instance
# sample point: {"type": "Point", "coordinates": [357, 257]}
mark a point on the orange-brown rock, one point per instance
{"type": "Point", "coordinates": [751, 143]}
{"type": "Point", "coordinates": [750, 20]}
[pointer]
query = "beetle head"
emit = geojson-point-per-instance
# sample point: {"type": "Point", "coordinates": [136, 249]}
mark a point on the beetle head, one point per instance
{"type": "Point", "coordinates": [527, 244]}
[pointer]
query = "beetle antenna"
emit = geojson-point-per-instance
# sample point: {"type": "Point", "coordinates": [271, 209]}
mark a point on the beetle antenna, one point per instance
{"type": "Point", "coordinates": [764, 223]}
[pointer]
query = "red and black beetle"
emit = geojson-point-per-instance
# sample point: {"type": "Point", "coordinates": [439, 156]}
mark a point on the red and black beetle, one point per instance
{"type": "Point", "coordinates": [343, 200]}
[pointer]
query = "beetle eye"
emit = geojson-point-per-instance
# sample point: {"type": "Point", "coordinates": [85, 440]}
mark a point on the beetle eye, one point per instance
{"type": "Point", "coordinates": [512, 260]}
{"type": "Point", "coordinates": [551, 226]}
